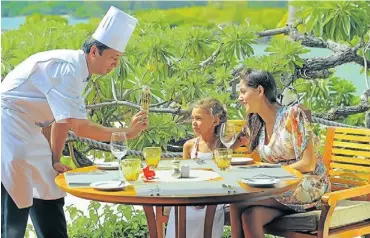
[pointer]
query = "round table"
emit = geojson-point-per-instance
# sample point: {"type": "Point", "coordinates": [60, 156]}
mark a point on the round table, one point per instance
{"type": "Point", "coordinates": [129, 197]}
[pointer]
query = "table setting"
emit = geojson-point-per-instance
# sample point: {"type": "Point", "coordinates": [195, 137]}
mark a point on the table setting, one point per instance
{"type": "Point", "coordinates": [179, 177]}
{"type": "Point", "coordinates": [225, 173]}
{"type": "Point", "coordinates": [155, 181]}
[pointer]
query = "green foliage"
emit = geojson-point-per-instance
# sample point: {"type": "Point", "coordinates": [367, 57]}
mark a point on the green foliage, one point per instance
{"type": "Point", "coordinates": [163, 128]}
{"type": "Point", "coordinates": [325, 94]}
{"type": "Point", "coordinates": [38, 17]}
{"type": "Point", "coordinates": [283, 59]}
{"type": "Point", "coordinates": [109, 221]}
{"type": "Point", "coordinates": [289, 50]}
{"type": "Point", "coordinates": [166, 55]}
{"type": "Point", "coordinates": [237, 42]}
{"type": "Point", "coordinates": [214, 14]}
{"type": "Point", "coordinates": [198, 43]}
{"type": "Point", "coordinates": [39, 33]}
{"type": "Point", "coordinates": [336, 20]}
{"type": "Point", "coordinates": [106, 221]}
{"type": "Point", "coordinates": [67, 160]}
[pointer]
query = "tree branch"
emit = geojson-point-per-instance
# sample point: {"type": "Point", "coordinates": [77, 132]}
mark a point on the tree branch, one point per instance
{"type": "Point", "coordinates": [160, 104]}
{"type": "Point", "coordinates": [314, 67]}
{"type": "Point", "coordinates": [212, 58]}
{"type": "Point", "coordinates": [313, 41]}
{"type": "Point", "coordinates": [336, 59]}
{"type": "Point", "coordinates": [274, 32]}
{"type": "Point", "coordinates": [340, 112]}
{"type": "Point", "coordinates": [178, 111]}
{"type": "Point", "coordinates": [365, 96]}
{"type": "Point", "coordinates": [312, 74]}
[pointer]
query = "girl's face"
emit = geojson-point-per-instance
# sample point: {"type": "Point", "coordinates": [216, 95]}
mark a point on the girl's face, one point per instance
{"type": "Point", "coordinates": [250, 97]}
{"type": "Point", "coordinates": [202, 121]}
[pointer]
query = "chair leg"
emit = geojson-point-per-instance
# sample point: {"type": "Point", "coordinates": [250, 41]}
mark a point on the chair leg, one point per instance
{"type": "Point", "coordinates": [367, 236]}
{"type": "Point", "coordinates": [160, 230]}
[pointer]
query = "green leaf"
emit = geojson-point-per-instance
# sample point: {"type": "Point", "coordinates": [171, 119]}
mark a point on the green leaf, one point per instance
{"type": "Point", "coordinates": [312, 21]}
{"type": "Point", "coordinates": [347, 27]}
{"type": "Point", "coordinates": [333, 28]}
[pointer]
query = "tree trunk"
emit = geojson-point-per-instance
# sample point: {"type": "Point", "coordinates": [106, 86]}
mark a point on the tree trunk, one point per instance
{"type": "Point", "coordinates": [367, 119]}
{"type": "Point", "coordinates": [292, 10]}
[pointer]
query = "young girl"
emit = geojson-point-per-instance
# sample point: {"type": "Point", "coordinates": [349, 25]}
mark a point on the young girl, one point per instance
{"type": "Point", "coordinates": [283, 135]}
{"type": "Point", "coordinates": [207, 116]}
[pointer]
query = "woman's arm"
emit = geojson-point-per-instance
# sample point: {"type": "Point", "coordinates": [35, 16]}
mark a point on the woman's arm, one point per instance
{"type": "Point", "coordinates": [299, 127]}
{"type": "Point", "coordinates": [308, 162]}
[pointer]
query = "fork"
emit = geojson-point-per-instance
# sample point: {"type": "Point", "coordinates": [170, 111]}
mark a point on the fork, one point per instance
{"type": "Point", "coordinates": [201, 161]}
{"type": "Point", "coordinates": [228, 186]}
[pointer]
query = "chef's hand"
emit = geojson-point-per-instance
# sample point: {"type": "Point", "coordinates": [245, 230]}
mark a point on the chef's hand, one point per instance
{"type": "Point", "coordinates": [139, 123]}
{"type": "Point", "coordinates": [61, 168]}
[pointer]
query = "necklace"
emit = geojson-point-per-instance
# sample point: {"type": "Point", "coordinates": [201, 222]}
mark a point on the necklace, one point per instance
{"type": "Point", "coordinates": [197, 149]}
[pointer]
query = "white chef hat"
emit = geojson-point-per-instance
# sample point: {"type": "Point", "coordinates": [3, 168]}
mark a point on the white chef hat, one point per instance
{"type": "Point", "coordinates": [115, 29]}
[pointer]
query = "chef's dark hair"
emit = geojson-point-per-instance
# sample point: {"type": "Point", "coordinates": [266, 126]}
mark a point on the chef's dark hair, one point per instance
{"type": "Point", "coordinates": [86, 47]}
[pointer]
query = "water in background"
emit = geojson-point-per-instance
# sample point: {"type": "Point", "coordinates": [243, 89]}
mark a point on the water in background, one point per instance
{"type": "Point", "coordinates": [348, 71]}
{"type": "Point", "coordinates": [12, 23]}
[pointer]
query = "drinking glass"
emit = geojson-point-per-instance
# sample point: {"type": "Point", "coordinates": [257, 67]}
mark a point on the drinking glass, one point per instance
{"type": "Point", "coordinates": [119, 148]}
{"type": "Point", "coordinates": [131, 169]}
{"type": "Point", "coordinates": [152, 156]}
{"type": "Point", "coordinates": [223, 158]}
{"type": "Point", "coordinates": [227, 134]}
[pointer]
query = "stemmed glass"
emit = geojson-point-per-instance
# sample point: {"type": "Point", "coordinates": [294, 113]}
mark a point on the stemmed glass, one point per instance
{"type": "Point", "coordinates": [227, 134]}
{"type": "Point", "coordinates": [119, 148]}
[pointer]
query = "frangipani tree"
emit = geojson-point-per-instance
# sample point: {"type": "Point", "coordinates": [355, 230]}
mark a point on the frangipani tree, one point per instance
{"type": "Point", "coordinates": [182, 63]}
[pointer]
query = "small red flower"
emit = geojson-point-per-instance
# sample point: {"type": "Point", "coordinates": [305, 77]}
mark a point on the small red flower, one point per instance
{"type": "Point", "coordinates": [148, 173]}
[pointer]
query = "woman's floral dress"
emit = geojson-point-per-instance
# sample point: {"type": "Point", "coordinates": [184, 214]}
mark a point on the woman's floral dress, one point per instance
{"type": "Point", "coordinates": [291, 134]}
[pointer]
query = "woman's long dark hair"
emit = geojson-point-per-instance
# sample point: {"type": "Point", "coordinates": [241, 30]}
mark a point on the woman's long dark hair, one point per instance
{"type": "Point", "coordinates": [254, 78]}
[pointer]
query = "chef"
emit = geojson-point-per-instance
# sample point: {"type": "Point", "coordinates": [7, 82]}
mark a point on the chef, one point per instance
{"type": "Point", "coordinates": [45, 89]}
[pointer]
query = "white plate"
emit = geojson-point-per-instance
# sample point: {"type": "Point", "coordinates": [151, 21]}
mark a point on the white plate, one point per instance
{"type": "Point", "coordinates": [241, 161]}
{"type": "Point", "coordinates": [107, 165]}
{"type": "Point", "coordinates": [261, 182]}
{"type": "Point", "coordinates": [112, 185]}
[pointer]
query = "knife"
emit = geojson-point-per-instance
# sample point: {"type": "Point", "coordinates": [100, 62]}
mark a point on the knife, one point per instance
{"type": "Point", "coordinates": [79, 184]}
{"type": "Point", "coordinates": [260, 166]}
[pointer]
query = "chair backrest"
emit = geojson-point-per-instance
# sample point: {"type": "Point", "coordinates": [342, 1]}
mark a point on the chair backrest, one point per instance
{"type": "Point", "coordinates": [347, 157]}
{"type": "Point", "coordinates": [243, 150]}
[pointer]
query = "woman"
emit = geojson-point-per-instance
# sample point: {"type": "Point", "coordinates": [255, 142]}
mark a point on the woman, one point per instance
{"type": "Point", "coordinates": [281, 135]}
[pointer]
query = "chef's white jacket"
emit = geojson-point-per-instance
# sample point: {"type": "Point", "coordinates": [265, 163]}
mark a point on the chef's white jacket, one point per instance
{"type": "Point", "coordinates": [45, 87]}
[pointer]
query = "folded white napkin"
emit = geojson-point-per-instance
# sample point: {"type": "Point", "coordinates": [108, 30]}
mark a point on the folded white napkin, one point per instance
{"type": "Point", "coordinates": [84, 179]}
